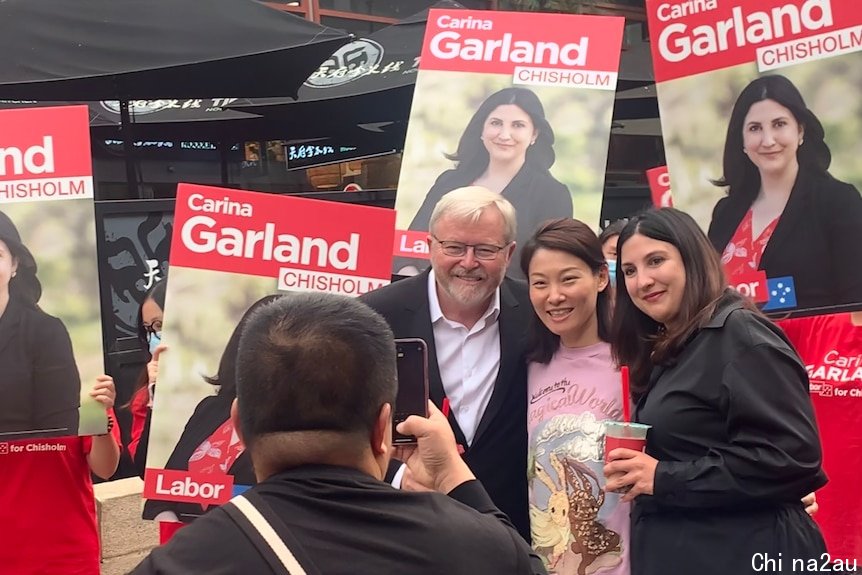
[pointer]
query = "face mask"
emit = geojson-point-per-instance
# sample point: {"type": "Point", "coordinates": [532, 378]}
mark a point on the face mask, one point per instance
{"type": "Point", "coordinates": [612, 271]}
{"type": "Point", "coordinates": [155, 340]}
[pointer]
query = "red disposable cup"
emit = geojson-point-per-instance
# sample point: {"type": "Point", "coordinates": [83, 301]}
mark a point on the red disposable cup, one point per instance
{"type": "Point", "coordinates": [626, 435]}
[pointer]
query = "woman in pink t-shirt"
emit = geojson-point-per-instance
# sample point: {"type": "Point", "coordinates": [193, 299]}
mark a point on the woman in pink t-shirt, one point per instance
{"type": "Point", "coordinates": [573, 388]}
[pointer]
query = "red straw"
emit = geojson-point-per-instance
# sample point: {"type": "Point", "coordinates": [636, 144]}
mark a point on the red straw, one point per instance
{"type": "Point", "coordinates": [445, 409]}
{"type": "Point", "coordinates": [624, 373]}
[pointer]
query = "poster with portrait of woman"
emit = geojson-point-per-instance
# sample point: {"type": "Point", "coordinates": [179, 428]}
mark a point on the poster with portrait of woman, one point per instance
{"type": "Point", "coordinates": [519, 103]}
{"type": "Point", "coordinates": [232, 251]}
{"type": "Point", "coordinates": [50, 324]}
{"type": "Point", "coordinates": [761, 111]}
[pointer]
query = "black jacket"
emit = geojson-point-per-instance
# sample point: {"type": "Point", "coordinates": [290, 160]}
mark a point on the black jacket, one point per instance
{"type": "Point", "coordinates": [40, 387]}
{"type": "Point", "coordinates": [348, 523]}
{"type": "Point", "coordinates": [535, 195]}
{"type": "Point", "coordinates": [817, 240]}
{"type": "Point", "coordinates": [208, 416]}
{"type": "Point", "coordinates": [498, 454]}
{"type": "Point", "coordinates": [734, 432]}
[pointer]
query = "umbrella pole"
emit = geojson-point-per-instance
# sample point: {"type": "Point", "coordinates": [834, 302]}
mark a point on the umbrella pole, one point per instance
{"type": "Point", "coordinates": [128, 149]}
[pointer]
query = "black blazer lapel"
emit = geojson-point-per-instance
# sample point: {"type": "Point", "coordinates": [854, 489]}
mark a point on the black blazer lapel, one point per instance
{"type": "Point", "coordinates": [10, 324]}
{"type": "Point", "coordinates": [792, 216]}
{"type": "Point", "coordinates": [419, 310]}
{"type": "Point", "coordinates": [511, 348]}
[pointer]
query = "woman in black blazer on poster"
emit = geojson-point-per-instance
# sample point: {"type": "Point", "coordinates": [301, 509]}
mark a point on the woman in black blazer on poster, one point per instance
{"type": "Point", "coordinates": [784, 213]}
{"type": "Point", "coordinates": [197, 440]}
{"type": "Point", "coordinates": [507, 147]}
{"type": "Point", "coordinates": [40, 387]}
{"type": "Point", "coordinates": [734, 444]}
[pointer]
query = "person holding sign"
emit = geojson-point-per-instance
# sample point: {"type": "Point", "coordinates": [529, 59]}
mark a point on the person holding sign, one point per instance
{"type": "Point", "coordinates": [784, 213]}
{"type": "Point", "coordinates": [150, 317]}
{"type": "Point", "coordinates": [576, 526]}
{"type": "Point", "coordinates": [40, 385]}
{"type": "Point", "coordinates": [734, 445]}
{"type": "Point", "coordinates": [508, 148]}
{"type": "Point", "coordinates": [48, 520]}
{"type": "Point", "coordinates": [316, 382]}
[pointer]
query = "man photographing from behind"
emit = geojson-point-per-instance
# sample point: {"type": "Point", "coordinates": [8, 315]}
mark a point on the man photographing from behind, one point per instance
{"type": "Point", "coordinates": [316, 381]}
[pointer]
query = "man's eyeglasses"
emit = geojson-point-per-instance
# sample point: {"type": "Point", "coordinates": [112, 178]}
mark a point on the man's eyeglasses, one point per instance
{"type": "Point", "coordinates": [151, 329]}
{"type": "Point", "coordinates": [458, 249]}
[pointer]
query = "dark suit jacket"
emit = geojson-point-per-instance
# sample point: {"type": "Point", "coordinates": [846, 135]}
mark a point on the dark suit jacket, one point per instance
{"type": "Point", "coordinates": [817, 239]}
{"type": "Point", "coordinates": [208, 416]}
{"type": "Point", "coordinates": [498, 455]}
{"type": "Point", "coordinates": [341, 520]}
{"type": "Point", "coordinates": [535, 195]}
{"type": "Point", "coordinates": [40, 388]}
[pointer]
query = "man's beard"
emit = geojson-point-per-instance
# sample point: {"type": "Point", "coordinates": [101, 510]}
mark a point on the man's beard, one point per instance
{"type": "Point", "coordinates": [466, 294]}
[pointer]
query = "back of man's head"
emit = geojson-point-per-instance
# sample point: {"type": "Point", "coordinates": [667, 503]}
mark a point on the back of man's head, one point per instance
{"type": "Point", "coordinates": [314, 363]}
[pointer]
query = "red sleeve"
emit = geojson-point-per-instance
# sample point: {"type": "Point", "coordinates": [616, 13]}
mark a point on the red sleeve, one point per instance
{"type": "Point", "coordinates": [139, 410]}
{"type": "Point", "coordinates": [115, 429]}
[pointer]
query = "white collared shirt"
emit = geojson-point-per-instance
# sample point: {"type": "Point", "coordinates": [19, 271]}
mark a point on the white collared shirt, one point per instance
{"type": "Point", "coordinates": [469, 360]}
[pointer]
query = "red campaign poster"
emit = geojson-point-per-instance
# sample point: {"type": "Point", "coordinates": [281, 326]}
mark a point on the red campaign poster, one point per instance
{"type": "Point", "coordinates": [517, 102]}
{"type": "Point", "coordinates": [759, 104]}
{"type": "Point", "coordinates": [231, 252]}
{"type": "Point", "coordinates": [831, 348]}
{"type": "Point", "coordinates": [659, 187]}
{"type": "Point", "coordinates": [51, 336]}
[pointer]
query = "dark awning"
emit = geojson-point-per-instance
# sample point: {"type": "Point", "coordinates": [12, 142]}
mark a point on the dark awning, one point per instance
{"type": "Point", "coordinates": [147, 49]}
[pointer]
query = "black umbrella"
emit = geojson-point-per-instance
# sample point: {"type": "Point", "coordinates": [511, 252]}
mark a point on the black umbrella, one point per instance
{"type": "Point", "coordinates": [123, 49]}
{"type": "Point", "coordinates": [369, 81]}
{"type": "Point", "coordinates": [90, 50]}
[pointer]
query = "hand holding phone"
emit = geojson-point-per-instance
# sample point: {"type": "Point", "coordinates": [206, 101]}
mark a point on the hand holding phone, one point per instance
{"type": "Point", "coordinates": [435, 463]}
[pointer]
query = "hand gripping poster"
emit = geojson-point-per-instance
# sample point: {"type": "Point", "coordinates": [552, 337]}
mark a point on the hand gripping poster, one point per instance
{"type": "Point", "coordinates": [761, 111]}
{"type": "Point", "coordinates": [519, 103]}
{"type": "Point", "coordinates": [50, 325]}
{"type": "Point", "coordinates": [231, 252]}
{"type": "Point", "coordinates": [761, 114]}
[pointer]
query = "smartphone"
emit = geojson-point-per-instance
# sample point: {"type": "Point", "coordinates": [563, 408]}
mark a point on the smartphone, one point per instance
{"type": "Point", "coordinates": [412, 399]}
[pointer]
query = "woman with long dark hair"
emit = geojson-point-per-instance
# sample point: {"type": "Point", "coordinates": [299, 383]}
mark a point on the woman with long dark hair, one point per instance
{"type": "Point", "coordinates": [40, 386]}
{"type": "Point", "coordinates": [573, 387]}
{"type": "Point", "coordinates": [733, 445]}
{"type": "Point", "coordinates": [784, 213]}
{"type": "Point", "coordinates": [507, 147]}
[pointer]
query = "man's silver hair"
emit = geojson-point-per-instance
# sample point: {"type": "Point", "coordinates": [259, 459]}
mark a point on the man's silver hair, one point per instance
{"type": "Point", "coordinates": [468, 203]}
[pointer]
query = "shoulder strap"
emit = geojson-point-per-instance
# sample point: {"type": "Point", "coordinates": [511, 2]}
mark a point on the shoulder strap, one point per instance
{"type": "Point", "coordinates": [269, 534]}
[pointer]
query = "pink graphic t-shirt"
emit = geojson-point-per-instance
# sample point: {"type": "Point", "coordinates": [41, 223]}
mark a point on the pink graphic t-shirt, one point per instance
{"type": "Point", "coordinates": [576, 526]}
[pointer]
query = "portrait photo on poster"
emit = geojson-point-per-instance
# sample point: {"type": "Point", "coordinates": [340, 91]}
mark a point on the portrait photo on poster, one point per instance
{"type": "Point", "coordinates": [513, 140]}
{"type": "Point", "coordinates": [50, 320]}
{"type": "Point", "coordinates": [204, 443]}
{"type": "Point", "coordinates": [530, 122]}
{"type": "Point", "coordinates": [50, 328]}
{"type": "Point", "coordinates": [779, 192]}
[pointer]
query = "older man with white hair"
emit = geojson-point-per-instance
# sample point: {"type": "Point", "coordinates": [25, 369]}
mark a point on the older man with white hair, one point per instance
{"type": "Point", "coordinates": [474, 320]}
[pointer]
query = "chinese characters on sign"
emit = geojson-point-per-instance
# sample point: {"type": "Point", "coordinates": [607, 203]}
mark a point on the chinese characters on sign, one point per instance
{"type": "Point", "coordinates": [309, 151]}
